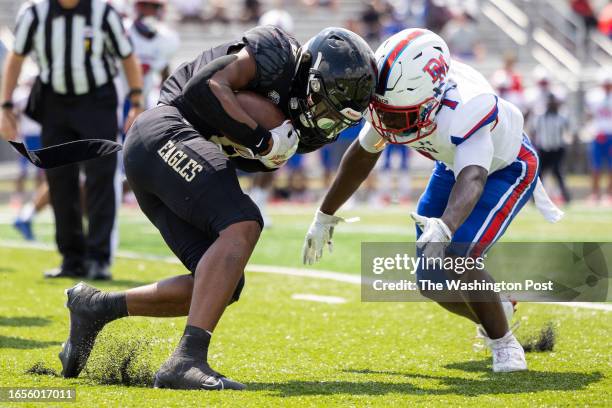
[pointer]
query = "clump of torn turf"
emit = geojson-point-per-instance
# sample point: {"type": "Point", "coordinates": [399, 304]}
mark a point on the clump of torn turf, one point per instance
{"type": "Point", "coordinates": [120, 361]}
{"type": "Point", "coordinates": [39, 368]}
{"type": "Point", "coordinates": [545, 341]}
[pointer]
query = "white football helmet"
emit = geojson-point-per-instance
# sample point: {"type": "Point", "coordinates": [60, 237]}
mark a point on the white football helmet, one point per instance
{"type": "Point", "coordinates": [412, 77]}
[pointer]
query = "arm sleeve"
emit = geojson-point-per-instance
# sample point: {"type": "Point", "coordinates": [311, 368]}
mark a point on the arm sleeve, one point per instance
{"type": "Point", "coordinates": [116, 37]}
{"type": "Point", "coordinates": [27, 21]}
{"type": "Point", "coordinates": [370, 140]}
{"type": "Point", "coordinates": [477, 113]}
{"type": "Point", "coordinates": [476, 151]}
{"type": "Point", "coordinates": [199, 104]}
{"type": "Point", "coordinates": [275, 55]}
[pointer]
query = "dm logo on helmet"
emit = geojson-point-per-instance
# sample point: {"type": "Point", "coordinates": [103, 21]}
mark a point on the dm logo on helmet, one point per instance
{"type": "Point", "coordinates": [436, 68]}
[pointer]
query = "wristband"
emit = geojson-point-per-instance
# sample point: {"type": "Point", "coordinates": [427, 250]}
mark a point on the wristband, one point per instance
{"type": "Point", "coordinates": [8, 105]}
{"type": "Point", "coordinates": [261, 140]}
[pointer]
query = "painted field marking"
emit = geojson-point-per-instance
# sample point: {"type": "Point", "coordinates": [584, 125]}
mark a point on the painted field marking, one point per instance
{"type": "Point", "coordinates": [334, 300]}
{"type": "Point", "coordinates": [278, 270]}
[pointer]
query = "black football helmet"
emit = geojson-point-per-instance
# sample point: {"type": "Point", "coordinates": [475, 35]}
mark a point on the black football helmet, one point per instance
{"type": "Point", "coordinates": [335, 79]}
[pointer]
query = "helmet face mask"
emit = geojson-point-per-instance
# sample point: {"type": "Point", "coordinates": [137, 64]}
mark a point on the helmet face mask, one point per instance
{"type": "Point", "coordinates": [320, 113]}
{"type": "Point", "coordinates": [404, 124]}
{"type": "Point", "coordinates": [413, 66]}
{"type": "Point", "coordinates": [333, 86]}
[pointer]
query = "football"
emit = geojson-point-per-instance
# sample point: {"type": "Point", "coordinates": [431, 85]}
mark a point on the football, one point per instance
{"type": "Point", "coordinates": [262, 110]}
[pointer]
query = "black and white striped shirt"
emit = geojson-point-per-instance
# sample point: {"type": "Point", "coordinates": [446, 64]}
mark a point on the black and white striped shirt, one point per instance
{"type": "Point", "coordinates": [75, 48]}
{"type": "Point", "coordinates": [550, 130]}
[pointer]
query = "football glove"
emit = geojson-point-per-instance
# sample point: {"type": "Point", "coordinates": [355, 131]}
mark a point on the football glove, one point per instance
{"type": "Point", "coordinates": [320, 233]}
{"type": "Point", "coordinates": [284, 144]}
{"type": "Point", "coordinates": [435, 232]}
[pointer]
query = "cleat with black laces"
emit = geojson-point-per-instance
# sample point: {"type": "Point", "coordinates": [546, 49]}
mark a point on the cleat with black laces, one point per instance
{"type": "Point", "coordinates": [85, 324]}
{"type": "Point", "coordinates": [185, 373]}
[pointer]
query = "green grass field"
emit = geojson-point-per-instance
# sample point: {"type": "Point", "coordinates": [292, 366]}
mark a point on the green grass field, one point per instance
{"type": "Point", "coordinates": [293, 352]}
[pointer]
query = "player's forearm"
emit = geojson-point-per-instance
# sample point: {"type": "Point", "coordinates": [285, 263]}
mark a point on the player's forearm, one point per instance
{"type": "Point", "coordinates": [10, 75]}
{"type": "Point", "coordinates": [209, 97]}
{"type": "Point", "coordinates": [464, 196]}
{"type": "Point", "coordinates": [354, 168]}
{"type": "Point", "coordinates": [226, 96]}
{"type": "Point", "coordinates": [133, 73]}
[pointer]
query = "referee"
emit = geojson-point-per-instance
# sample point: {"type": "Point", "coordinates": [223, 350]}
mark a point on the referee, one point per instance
{"type": "Point", "coordinates": [549, 134]}
{"type": "Point", "coordinates": [76, 44]}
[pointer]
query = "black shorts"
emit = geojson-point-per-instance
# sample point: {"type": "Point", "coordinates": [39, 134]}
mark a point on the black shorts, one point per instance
{"type": "Point", "coordinates": [184, 184]}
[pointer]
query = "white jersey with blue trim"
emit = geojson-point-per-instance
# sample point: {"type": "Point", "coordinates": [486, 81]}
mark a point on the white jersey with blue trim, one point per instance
{"type": "Point", "coordinates": [154, 54]}
{"type": "Point", "coordinates": [470, 111]}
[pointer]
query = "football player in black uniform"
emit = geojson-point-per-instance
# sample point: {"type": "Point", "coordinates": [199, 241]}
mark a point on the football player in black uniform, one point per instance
{"type": "Point", "coordinates": [181, 159]}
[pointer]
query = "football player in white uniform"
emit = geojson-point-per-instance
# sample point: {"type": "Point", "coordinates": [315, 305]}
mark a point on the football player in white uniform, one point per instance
{"type": "Point", "coordinates": [155, 45]}
{"type": "Point", "coordinates": [485, 171]}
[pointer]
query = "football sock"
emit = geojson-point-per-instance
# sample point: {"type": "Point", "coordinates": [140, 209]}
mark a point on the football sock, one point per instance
{"type": "Point", "coordinates": [26, 213]}
{"type": "Point", "coordinates": [114, 305]}
{"type": "Point", "coordinates": [194, 343]}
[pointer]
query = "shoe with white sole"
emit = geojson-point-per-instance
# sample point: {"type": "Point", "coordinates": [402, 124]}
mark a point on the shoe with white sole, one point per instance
{"type": "Point", "coordinates": [508, 354]}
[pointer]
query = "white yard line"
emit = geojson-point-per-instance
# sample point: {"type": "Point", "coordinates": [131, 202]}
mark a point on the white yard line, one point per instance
{"type": "Point", "coordinates": [278, 270]}
{"type": "Point", "coordinates": [334, 300]}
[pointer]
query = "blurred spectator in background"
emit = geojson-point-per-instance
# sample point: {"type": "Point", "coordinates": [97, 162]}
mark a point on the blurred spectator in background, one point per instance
{"type": "Point", "coordinates": [436, 15]}
{"type": "Point", "coordinates": [600, 111]}
{"type": "Point", "coordinates": [508, 83]}
{"type": "Point", "coordinates": [251, 11]}
{"type": "Point", "coordinates": [332, 4]}
{"type": "Point", "coordinates": [585, 11]}
{"type": "Point", "coordinates": [463, 37]}
{"type": "Point", "coordinates": [371, 23]}
{"type": "Point", "coordinates": [549, 135]}
{"type": "Point", "coordinates": [502, 82]}
{"type": "Point", "coordinates": [536, 97]}
{"type": "Point", "coordinates": [393, 177]}
{"type": "Point", "coordinates": [189, 10]}
{"type": "Point", "coordinates": [278, 18]}
{"type": "Point", "coordinates": [393, 22]}
{"type": "Point", "coordinates": [605, 21]}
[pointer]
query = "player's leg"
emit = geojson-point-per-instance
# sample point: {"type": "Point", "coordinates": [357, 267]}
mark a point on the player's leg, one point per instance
{"type": "Point", "coordinates": [608, 161]}
{"type": "Point", "coordinates": [101, 188]}
{"type": "Point", "coordinates": [597, 153]}
{"type": "Point", "coordinates": [505, 194]}
{"type": "Point", "coordinates": [432, 203]}
{"type": "Point", "coordinates": [260, 193]}
{"type": "Point", "coordinates": [198, 183]}
{"type": "Point", "coordinates": [65, 200]}
{"type": "Point", "coordinates": [188, 235]}
{"type": "Point", "coordinates": [559, 155]}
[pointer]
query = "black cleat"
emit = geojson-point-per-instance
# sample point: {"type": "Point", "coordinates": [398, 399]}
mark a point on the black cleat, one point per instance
{"type": "Point", "coordinates": [184, 373]}
{"type": "Point", "coordinates": [85, 324]}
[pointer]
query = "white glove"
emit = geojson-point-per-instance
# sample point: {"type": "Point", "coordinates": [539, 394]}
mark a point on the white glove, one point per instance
{"type": "Point", "coordinates": [433, 230]}
{"type": "Point", "coordinates": [320, 233]}
{"type": "Point", "coordinates": [284, 144]}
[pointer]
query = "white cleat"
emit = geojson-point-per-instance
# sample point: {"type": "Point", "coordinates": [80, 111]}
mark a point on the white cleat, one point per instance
{"type": "Point", "coordinates": [508, 354]}
{"type": "Point", "coordinates": [509, 307]}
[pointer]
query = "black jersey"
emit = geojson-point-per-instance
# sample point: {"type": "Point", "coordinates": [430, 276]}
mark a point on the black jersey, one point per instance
{"type": "Point", "coordinates": [275, 54]}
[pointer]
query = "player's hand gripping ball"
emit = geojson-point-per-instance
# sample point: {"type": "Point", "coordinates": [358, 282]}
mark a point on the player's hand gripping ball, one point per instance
{"type": "Point", "coordinates": [269, 116]}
